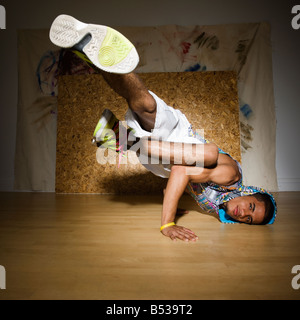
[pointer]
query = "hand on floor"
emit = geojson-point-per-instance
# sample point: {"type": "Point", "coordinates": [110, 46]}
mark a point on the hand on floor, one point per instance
{"type": "Point", "coordinates": [178, 232]}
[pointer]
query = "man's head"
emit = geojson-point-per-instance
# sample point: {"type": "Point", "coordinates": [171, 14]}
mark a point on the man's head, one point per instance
{"type": "Point", "coordinates": [257, 208]}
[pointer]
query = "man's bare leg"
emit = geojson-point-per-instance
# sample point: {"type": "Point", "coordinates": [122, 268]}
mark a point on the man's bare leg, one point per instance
{"type": "Point", "coordinates": [186, 154]}
{"type": "Point", "coordinates": [141, 102]}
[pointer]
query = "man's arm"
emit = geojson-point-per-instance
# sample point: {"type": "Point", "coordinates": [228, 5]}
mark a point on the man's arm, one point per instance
{"type": "Point", "coordinates": [176, 185]}
{"type": "Point", "coordinates": [225, 172]}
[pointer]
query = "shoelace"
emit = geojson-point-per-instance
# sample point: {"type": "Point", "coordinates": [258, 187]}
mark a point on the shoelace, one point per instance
{"type": "Point", "coordinates": [121, 152]}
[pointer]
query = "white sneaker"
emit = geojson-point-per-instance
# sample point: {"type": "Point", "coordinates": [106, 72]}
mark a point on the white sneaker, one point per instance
{"type": "Point", "coordinates": [99, 46]}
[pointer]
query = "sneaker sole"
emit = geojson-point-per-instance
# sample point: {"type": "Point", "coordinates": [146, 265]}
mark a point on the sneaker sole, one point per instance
{"type": "Point", "coordinates": [108, 49]}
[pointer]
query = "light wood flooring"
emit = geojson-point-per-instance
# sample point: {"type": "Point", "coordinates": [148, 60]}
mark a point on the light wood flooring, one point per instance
{"type": "Point", "coordinates": [79, 246]}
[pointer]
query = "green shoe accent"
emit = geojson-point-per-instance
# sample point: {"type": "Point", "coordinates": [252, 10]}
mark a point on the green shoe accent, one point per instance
{"type": "Point", "coordinates": [115, 48]}
{"type": "Point", "coordinates": [98, 127]}
{"type": "Point", "coordinates": [82, 56]}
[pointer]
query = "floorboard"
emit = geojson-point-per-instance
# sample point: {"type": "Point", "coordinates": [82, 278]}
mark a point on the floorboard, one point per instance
{"type": "Point", "coordinates": [79, 246]}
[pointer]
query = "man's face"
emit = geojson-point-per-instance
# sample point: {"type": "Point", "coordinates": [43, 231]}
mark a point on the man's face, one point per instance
{"type": "Point", "coordinates": [246, 209]}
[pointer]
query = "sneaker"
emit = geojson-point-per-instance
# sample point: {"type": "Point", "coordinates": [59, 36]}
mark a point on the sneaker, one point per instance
{"type": "Point", "coordinates": [99, 46]}
{"type": "Point", "coordinates": [110, 133]}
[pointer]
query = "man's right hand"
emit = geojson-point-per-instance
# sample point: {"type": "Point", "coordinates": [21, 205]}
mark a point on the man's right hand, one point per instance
{"type": "Point", "coordinates": [178, 232]}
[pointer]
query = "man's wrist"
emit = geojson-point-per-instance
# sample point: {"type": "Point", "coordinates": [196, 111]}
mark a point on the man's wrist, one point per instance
{"type": "Point", "coordinates": [167, 225]}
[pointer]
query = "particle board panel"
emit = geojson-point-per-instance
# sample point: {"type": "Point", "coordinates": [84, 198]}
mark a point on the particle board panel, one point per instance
{"type": "Point", "coordinates": [208, 99]}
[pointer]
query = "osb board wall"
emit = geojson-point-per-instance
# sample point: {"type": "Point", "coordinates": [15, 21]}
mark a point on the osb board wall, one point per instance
{"type": "Point", "coordinates": [208, 99]}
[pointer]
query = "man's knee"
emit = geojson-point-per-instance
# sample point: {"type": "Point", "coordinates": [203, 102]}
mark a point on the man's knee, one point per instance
{"type": "Point", "coordinates": [211, 155]}
{"type": "Point", "coordinates": [143, 104]}
{"type": "Point", "coordinates": [145, 108]}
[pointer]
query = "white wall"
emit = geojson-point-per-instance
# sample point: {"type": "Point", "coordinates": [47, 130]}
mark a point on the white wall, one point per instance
{"type": "Point", "coordinates": [285, 43]}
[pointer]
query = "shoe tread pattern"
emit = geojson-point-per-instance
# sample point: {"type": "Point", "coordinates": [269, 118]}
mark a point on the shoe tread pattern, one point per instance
{"type": "Point", "coordinates": [63, 32]}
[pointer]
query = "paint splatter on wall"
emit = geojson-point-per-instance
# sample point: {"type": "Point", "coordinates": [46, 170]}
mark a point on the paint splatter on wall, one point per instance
{"type": "Point", "coordinates": [196, 67]}
{"type": "Point", "coordinates": [209, 41]}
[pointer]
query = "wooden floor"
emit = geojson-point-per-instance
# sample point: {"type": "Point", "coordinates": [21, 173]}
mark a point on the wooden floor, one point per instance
{"type": "Point", "coordinates": [106, 247]}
